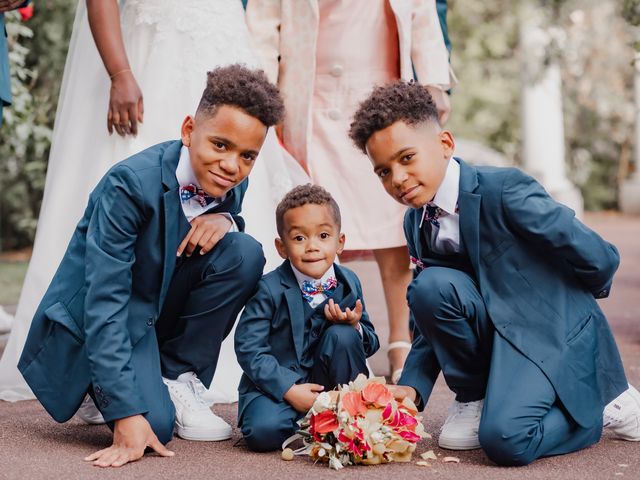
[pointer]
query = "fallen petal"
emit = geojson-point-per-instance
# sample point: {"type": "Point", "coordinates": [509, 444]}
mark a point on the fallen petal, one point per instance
{"type": "Point", "coordinates": [423, 464]}
{"type": "Point", "coordinates": [428, 455]}
{"type": "Point", "coordinates": [451, 460]}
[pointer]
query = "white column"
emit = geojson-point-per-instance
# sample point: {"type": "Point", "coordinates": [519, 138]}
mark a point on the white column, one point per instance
{"type": "Point", "coordinates": [542, 116]}
{"type": "Point", "coordinates": [630, 189]}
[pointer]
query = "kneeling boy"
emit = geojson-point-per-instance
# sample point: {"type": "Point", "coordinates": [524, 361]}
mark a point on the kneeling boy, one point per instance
{"type": "Point", "coordinates": [306, 329]}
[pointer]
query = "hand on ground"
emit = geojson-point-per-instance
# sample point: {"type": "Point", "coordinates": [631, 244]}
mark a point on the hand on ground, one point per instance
{"type": "Point", "coordinates": [131, 436]}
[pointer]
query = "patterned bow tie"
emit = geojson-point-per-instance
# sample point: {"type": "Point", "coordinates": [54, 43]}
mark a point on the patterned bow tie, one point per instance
{"type": "Point", "coordinates": [432, 214]}
{"type": "Point", "coordinates": [195, 192]}
{"type": "Point", "coordinates": [310, 289]}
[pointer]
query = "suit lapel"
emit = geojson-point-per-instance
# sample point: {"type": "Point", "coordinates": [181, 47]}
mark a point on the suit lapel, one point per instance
{"type": "Point", "coordinates": [294, 299]}
{"type": "Point", "coordinates": [469, 211]}
{"type": "Point", "coordinates": [172, 214]}
{"type": "Point", "coordinates": [350, 297]}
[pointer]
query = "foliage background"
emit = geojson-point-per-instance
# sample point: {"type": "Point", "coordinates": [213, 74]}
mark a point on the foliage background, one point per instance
{"type": "Point", "coordinates": [594, 48]}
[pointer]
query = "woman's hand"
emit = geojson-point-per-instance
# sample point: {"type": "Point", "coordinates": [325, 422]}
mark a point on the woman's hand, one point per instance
{"type": "Point", "coordinates": [126, 108]}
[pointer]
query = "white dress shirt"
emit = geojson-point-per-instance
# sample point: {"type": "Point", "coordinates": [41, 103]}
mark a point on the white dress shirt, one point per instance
{"type": "Point", "coordinates": [192, 208]}
{"type": "Point", "coordinates": [446, 238]}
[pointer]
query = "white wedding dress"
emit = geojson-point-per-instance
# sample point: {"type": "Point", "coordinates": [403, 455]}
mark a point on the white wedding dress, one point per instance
{"type": "Point", "coordinates": [170, 45]}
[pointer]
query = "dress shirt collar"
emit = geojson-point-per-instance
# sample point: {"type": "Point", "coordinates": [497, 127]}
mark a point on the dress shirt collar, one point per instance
{"type": "Point", "coordinates": [447, 195]}
{"type": "Point", "coordinates": [301, 277]}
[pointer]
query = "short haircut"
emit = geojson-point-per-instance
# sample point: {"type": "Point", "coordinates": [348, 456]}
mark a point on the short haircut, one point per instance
{"type": "Point", "coordinates": [400, 100]}
{"type": "Point", "coordinates": [241, 87]}
{"type": "Point", "coordinates": [304, 195]}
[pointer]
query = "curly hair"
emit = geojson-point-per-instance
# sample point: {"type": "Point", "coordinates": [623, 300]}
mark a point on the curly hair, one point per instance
{"type": "Point", "coordinates": [304, 195]}
{"type": "Point", "coordinates": [244, 88]}
{"type": "Point", "coordinates": [400, 100]}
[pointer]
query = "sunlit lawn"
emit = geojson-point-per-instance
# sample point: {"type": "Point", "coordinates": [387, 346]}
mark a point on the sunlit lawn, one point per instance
{"type": "Point", "coordinates": [11, 277]}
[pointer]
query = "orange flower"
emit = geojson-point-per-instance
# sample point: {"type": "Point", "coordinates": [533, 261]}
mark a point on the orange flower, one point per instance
{"type": "Point", "coordinates": [353, 404]}
{"type": "Point", "coordinates": [377, 394]}
{"type": "Point", "coordinates": [324, 422]}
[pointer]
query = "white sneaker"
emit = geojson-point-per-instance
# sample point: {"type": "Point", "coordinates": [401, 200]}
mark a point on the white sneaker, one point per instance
{"type": "Point", "coordinates": [194, 418]}
{"type": "Point", "coordinates": [89, 413]}
{"type": "Point", "coordinates": [622, 415]}
{"type": "Point", "coordinates": [460, 430]}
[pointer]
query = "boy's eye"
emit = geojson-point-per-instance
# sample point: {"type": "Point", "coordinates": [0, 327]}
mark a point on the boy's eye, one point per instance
{"type": "Point", "coordinates": [324, 235]}
{"type": "Point", "coordinates": [219, 145]}
{"type": "Point", "coordinates": [383, 172]}
{"type": "Point", "coordinates": [408, 157]}
{"type": "Point", "coordinates": [298, 238]}
{"type": "Point", "coordinates": [249, 157]}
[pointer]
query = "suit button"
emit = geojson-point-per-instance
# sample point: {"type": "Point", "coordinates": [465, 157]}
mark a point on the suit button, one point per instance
{"type": "Point", "coordinates": [334, 114]}
{"type": "Point", "coordinates": [336, 70]}
{"type": "Point", "coordinates": [150, 321]}
{"type": "Point", "coordinates": [603, 293]}
{"type": "Point", "coordinates": [315, 333]}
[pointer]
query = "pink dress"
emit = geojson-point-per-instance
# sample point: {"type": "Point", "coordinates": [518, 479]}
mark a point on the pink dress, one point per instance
{"type": "Point", "coordinates": [357, 49]}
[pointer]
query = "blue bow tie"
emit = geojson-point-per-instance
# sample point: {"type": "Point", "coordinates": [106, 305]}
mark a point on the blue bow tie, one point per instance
{"type": "Point", "coordinates": [193, 191]}
{"type": "Point", "coordinates": [310, 289]}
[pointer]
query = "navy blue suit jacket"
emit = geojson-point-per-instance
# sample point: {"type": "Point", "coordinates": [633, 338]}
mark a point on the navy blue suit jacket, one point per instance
{"type": "Point", "coordinates": [539, 271]}
{"type": "Point", "coordinates": [269, 337]}
{"type": "Point", "coordinates": [110, 287]}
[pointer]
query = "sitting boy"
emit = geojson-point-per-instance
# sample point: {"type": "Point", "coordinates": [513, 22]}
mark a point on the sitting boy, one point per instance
{"type": "Point", "coordinates": [306, 328]}
{"type": "Point", "coordinates": [504, 293]}
{"type": "Point", "coordinates": [128, 321]}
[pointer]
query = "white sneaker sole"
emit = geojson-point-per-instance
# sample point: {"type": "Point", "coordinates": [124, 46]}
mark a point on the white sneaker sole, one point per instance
{"type": "Point", "coordinates": [459, 443]}
{"type": "Point", "coordinates": [629, 438]}
{"type": "Point", "coordinates": [201, 434]}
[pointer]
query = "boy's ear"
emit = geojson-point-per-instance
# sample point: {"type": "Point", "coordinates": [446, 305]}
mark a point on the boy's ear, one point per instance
{"type": "Point", "coordinates": [448, 143]}
{"type": "Point", "coordinates": [341, 240]}
{"type": "Point", "coordinates": [282, 250]}
{"type": "Point", "coordinates": [187, 128]}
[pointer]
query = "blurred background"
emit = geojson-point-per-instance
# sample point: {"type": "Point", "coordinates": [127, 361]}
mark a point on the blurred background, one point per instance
{"type": "Point", "coordinates": [545, 85]}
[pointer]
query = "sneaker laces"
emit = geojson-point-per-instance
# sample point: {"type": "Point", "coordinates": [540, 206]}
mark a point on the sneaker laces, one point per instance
{"type": "Point", "coordinates": [190, 392]}
{"type": "Point", "coordinates": [469, 411]}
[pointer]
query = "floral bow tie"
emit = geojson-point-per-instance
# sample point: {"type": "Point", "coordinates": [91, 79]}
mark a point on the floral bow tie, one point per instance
{"type": "Point", "coordinates": [193, 191]}
{"type": "Point", "coordinates": [310, 289]}
{"type": "Point", "coordinates": [432, 214]}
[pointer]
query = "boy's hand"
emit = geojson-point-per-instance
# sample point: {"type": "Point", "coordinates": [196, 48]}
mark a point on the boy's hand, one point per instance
{"type": "Point", "coordinates": [333, 313]}
{"type": "Point", "coordinates": [400, 392]}
{"type": "Point", "coordinates": [301, 396]}
{"type": "Point", "coordinates": [131, 435]}
{"type": "Point", "coordinates": [206, 231]}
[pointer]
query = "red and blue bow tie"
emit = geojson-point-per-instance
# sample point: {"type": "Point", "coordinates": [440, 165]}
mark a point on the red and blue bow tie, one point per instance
{"type": "Point", "coordinates": [310, 289]}
{"type": "Point", "coordinates": [193, 191]}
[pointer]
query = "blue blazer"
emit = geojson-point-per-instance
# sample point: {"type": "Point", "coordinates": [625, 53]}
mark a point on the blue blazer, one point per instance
{"type": "Point", "coordinates": [110, 287]}
{"type": "Point", "coordinates": [269, 337]}
{"type": "Point", "coordinates": [539, 271]}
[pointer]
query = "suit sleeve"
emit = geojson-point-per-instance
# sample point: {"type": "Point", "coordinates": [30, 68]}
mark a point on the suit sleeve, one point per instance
{"type": "Point", "coordinates": [111, 238]}
{"type": "Point", "coordinates": [253, 349]}
{"type": "Point", "coordinates": [263, 20]}
{"type": "Point", "coordinates": [369, 337]}
{"type": "Point", "coordinates": [429, 53]}
{"type": "Point", "coordinates": [553, 228]}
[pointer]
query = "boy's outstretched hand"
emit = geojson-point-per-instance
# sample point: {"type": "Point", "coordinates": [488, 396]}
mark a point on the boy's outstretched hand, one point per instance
{"type": "Point", "coordinates": [131, 436]}
{"type": "Point", "coordinates": [301, 396]}
{"type": "Point", "coordinates": [206, 231]}
{"type": "Point", "coordinates": [334, 313]}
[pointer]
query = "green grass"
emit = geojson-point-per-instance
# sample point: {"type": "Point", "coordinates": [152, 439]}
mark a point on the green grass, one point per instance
{"type": "Point", "coordinates": [11, 277]}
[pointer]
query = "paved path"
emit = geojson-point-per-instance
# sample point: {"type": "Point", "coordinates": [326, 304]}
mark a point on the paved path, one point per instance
{"type": "Point", "coordinates": [32, 446]}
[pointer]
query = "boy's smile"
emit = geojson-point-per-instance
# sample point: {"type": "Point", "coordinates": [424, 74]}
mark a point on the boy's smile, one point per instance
{"type": "Point", "coordinates": [411, 160]}
{"type": "Point", "coordinates": [222, 147]}
{"type": "Point", "coordinates": [311, 239]}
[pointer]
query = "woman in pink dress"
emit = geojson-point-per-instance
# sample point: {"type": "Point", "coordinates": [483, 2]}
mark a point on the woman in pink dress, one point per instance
{"type": "Point", "coordinates": [326, 56]}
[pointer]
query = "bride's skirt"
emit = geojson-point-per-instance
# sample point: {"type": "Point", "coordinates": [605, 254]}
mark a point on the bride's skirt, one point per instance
{"type": "Point", "coordinates": [171, 45]}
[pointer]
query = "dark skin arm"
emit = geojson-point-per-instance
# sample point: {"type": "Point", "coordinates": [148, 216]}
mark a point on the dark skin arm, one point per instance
{"type": "Point", "coordinates": [125, 98]}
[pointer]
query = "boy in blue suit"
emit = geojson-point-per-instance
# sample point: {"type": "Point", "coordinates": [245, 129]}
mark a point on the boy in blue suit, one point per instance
{"type": "Point", "coordinates": [504, 296]}
{"type": "Point", "coordinates": [154, 277]}
{"type": "Point", "coordinates": [306, 328]}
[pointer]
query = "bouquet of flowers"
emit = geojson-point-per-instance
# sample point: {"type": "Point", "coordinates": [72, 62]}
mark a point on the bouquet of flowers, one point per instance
{"type": "Point", "coordinates": [361, 423]}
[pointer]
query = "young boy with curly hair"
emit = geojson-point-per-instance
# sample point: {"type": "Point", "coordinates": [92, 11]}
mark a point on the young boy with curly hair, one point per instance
{"type": "Point", "coordinates": [504, 295]}
{"type": "Point", "coordinates": [306, 328]}
{"type": "Point", "coordinates": [154, 277]}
